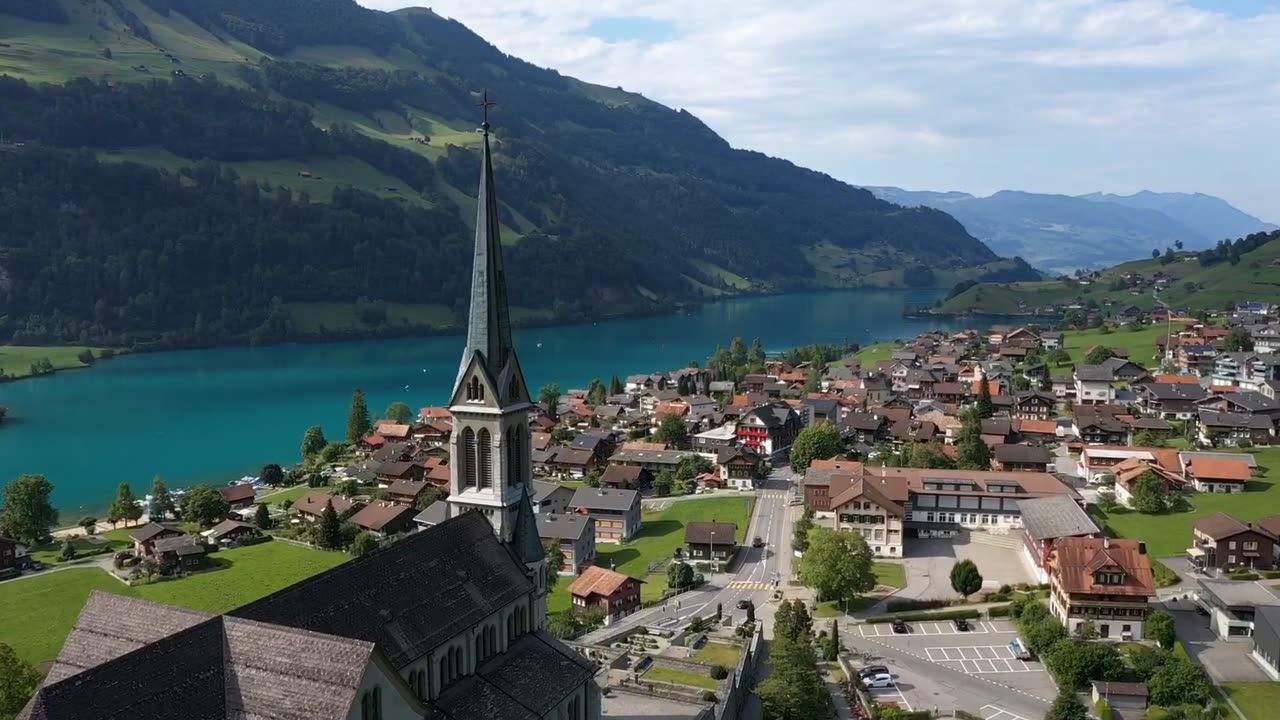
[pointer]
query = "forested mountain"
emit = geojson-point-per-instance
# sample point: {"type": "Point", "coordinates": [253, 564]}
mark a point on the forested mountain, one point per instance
{"type": "Point", "coordinates": [312, 166]}
{"type": "Point", "coordinates": [1061, 233]}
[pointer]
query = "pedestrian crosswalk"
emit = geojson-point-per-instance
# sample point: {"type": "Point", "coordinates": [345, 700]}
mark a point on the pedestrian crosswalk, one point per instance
{"type": "Point", "coordinates": [750, 585]}
{"type": "Point", "coordinates": [774, 494]}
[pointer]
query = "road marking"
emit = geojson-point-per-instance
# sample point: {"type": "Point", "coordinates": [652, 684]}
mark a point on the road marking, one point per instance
{"type": "Point", "coordinates": [991, 712]}
{"type": "Point", "coordinates": [750, 585]}
{"type": "Point", "coordinates": [950, 666]}
{"type": "Point", "coordinates": [879, 694]}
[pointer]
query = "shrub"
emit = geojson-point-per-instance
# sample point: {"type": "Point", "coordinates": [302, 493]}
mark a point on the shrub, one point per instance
{"type": "Point", "coordinates": [1163, 576]}
{"type": "Point", "coordinates": [999, 611]}
{"type": "Point", "coordinates": [1271, 574]}
{"type": "Point", "coordinates": [708, 696]}
{"type": "Point", "coordinates": [719, 672]}
{"type": "Point", "coordinates": [1006, 589]}
{"type": "Point", "coordinates": [926, 617]}
{"type": "Point", "coordinates": [1245, 575]}
{"type": "Point", "coordinates": [908, 605]}
{"type": "Point", "coordinates": [1104, 710]}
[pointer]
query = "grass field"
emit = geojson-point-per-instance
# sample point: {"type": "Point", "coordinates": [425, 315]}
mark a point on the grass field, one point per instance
{"type": "Point", "coordinates": [1258, 701]}
{"type": "Point", "coordinates": [891, 574]}
{"type": "Point", "coordinates": [718, 653]}
{"type": "Point", "coordinates": [39, 612]}
{"type": "Point", "coordinates": [1141, 343]}
{"type": "Point", "coordinates": [50, 554]}
{"type": "Point", "coordinates": [662, 533]}
{"type": "Point", "coordinates": [870, 355]}
{"type": "Point", "coordinates": [681, 677]}
{"type": "Point", "coordinates": [1170, 534]}
{"type": "Point", "coordinates": [16, 360]}
{"type": "Point", "coordinates": [293, 493]}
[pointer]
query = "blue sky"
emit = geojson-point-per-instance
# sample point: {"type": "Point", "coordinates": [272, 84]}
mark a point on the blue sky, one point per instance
{"type": "Point", "coordinates": [1067, 96]}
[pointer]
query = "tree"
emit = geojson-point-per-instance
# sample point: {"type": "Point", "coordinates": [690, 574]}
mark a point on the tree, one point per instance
{"type": "Point", "coordinates": [812, 381]}
{"type": "Point", "coordinates": [347, 488]}
{"type": "Point", "coordinates": [1086, 631]}
{"type": "Point", "coordinates": [794, 689]}
{"type": "Point", "coordinates": [18, 682]}
{"type": "Point", "coordinates": [837, 565]}
{"type": "Point", "coordinates": [162, 504]}
{"type": "Point", "coordinates": [262, 517]}
{"type": "Point", "coordinates": [399, 413]}
{"type": "Point", "coordinates": [679, 575]}
{"type": "Point", "coordinates": [332, 453]}
{"type": "Point", "coordinates": [204, 505]}
{"type": "Point", "coordinates": [564, 625]}
{"type": "Point", "coordinates": [1178, 682]}
{"type": "Point", "coordinates": [329, 530]}
{"type": "Point", "coordinates": [984, 405]}
{"type": "Point", "coordinates": [429, 497]}
{"type": "Point", "coordinates": [1076, 662]}
{"type": "Point", "coordinates": [272, 474]}
{"type": "Point", "coordinates": [1149, 494]}
{"type": "Point", "coordinates": [593, 478]}
{"type": "Point", "coordinates": [68, 551]}
{"type": "Point", "coordinates": [738, 352]}
{"type": "Point", "coordinates": [671, 431]}
{"type": "Point", "coordinates": [1146, 438]}
{"type": "Point", "coordinates": [664, 483]}
{"type": "Point", "coordinates": [972, 452]}
{"type": "Point", "coordinates": [125, 507]}
{"type": "Point", "coordinates": [1067, 706]}
{"type": "Point", "coordinates": [816, 442]}
{"type": "Point", "coordinates": [313, 443]}
{"type": "Point", "coordinates": [965, 578]}
{"type": "Point", "coordinates": [691, 466]}
{"type": "Point", "coordinates": [755, 356]}
{"type": "Point", "coordinates": [800, 532]}
{"type": "Point", "coordinates": [1238, 340]}
{"type": "Point", "coordinates": [555, 562]}
{"type": "Point", "coordinates": [89, 524]}
{"type": "Point", "coordinates": [362, 543]}
{"type": "Point", "coordinates": [1097, 355]}
{"type": "Point", "coordinates": [1160, 627]}
{"type": "Point", "coordinates": [27, 514]}
{"type": "Point", "coordinates": [596, 393]}
{"type": "Point", "coordinates": [833, 642]}
{"type": "Point", "coordinates": [615, 386]}
{"type": "Point", "coordinates": [929, 455]}
{"type": "Point", "coordinates": [1058, 356]}
{"type": "Point", "coordinates": [358, 424]}
{"type": "Point", "coordinates": [549, 397]}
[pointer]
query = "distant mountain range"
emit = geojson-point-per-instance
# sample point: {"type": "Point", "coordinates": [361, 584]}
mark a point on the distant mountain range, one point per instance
{"type": "Point", "coordinates": [1060, 233]}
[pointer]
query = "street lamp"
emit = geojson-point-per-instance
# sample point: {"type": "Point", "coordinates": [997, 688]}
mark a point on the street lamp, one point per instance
{"type": "Point", "coordinates": [713, 552]}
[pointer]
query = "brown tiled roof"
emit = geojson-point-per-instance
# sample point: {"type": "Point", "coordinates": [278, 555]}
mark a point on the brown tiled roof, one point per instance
{"type": "Point", "coordinates": [1271, 524]}
{"type": "Point", "coordinates": [1221, 525]}
{"type": "Point", "coordinates": [152, 530]}
{"type": "Point", "coordinates": [700, 533]}
{"type": "Point", "coordinates": [877, 490]}
{"type": "Point", "coordinates": [597, 581]}
{"type": "Point", "coordinates": [313, 503]}
{"type": "Point", "coordinates": [1075, 559]}
{"type": "Point", "coordinates": [1039, 427]}
{"type": "Point", "coordinates": [377, 516]}
{"type": "Point", "coordinates": [237, 492]}
{"type": "Point", "coordinates": [407, 488]}
{"type": "Point", "coordinates": [1206, 468]}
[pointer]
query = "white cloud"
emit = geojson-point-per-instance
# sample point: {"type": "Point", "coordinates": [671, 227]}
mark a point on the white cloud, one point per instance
{"type": "Point", "coordinates": [1049, 95]}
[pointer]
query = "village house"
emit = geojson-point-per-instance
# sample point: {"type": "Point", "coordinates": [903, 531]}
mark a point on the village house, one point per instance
{"type": "Point", "coordinates": [237, 496]}
{"type": "Point", "coordinates": [1097, 461]}
{"type": "Point", "coordinates": [1245, 403]}
{"type": "Point", "coordinates": [395, 470]}
{"type": "Point", "coordinates": [1031, 458]}
{"type": "Point", "coordinates": [1217, 475]}
{"type": "Point", "coordinates": [616, 512]}
{"type": "Point", "coordinates": [1221, 542]}
{"type": "Point", "coordinates": [865, 428]}
{"type": "Point", "coordinates": [1170, 401]}
{"type": "Point", "coordinates": [655, 461]}
{"type": "Point", "coordinates": [1037, 430]}
{"type": "Point", "coordinates": [737, 467]}
{"type": "Point", "coordinates": [1104, 581]}
{"type": "Point", "coordinates": [9, 554]}
{"type": "Point", "coordinates": [384, 519]}
{"type": "Point", "coordinates": [1220, 429]}
{"type": "Point", "coordinates": [873, 508]}
{"type": "Point", "coordinates": [627, 477]}
{"type": "Point", "coordinates": [769, 429]}
{"type": "Point", "coordinates": [185, 553]}
{"type": "Point", "coordinates": [1047, 520]}
{"type": "Point", "coordinates": [310, 506]}
{"type": "Point", "coordinates": [710, 541]}
{"type": "Point", "coordinates": [145, 537]}
{"type": "Point", "coordinates": [574, 534]}
{"type": "Point", "coordinates": [406, 492]}
{"type": "Point", "coordinates": [549, 497]}
{"type": "Point", "coordinates": [1034, 405]}
{"type": "Point", "coordinates": [231, 533]}
{"type": "Point", "coordinates": [1233, 606]}
{"type": "Point", "coordinates": [1196, 359]}
{"type": "Point", "coordinates": [1130, 471]}
{"type": "Point", "coordinates": [614, 593]}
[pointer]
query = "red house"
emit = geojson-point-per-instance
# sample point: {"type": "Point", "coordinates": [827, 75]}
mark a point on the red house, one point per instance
{"type": "Point", "coordinates": [238, 496]}
{"type": "Point", "coordinates": [617, 594]}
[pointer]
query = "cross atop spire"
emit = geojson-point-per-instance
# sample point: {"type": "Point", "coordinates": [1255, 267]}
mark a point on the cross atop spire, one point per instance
{"type": "Point", "coordinates": [485, 104]}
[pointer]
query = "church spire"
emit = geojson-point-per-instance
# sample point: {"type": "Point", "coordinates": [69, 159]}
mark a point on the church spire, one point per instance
{"type": "Point", "coordinates": [489, 322]}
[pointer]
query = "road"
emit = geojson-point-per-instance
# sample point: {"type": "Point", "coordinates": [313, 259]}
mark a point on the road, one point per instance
{"type": "Point", "coordinates": [753, 579]}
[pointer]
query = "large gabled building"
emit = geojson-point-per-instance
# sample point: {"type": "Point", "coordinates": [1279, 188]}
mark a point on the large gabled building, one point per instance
{"type": "Point", "coordinates": [1104, 581]}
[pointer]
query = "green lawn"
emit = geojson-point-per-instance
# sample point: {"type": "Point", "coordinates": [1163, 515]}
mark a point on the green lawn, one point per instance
{"type": "Point", "coordinates": [1170, 534]}
{"type": "Point", "coordinates": [718, 653]}
{"type": "Point", "coordinates": [662, 533]}
{"type": "Point", "coordinates": [294, 493]}
{"type": "Point", "coordinates": [681, 677]}
{"type": "Point", "coordinates": [16, 360]}
{"type": "Point", "coordinates": [891, 573]}
{"type": "Point", "coordinates": [833, 608]}
{"type": "Point", "coordinates": [51, 553]}
{"type": "Point", "coordinates": [40, 612]}
{"type": "Point", "coordinates": [869, 355]}
{"type": "Point", "coordinates": [1258, 701]}
{"type": "Point", "coordinates": [1140, 343]}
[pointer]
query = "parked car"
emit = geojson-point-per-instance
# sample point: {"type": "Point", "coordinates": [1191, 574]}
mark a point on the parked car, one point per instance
{"type": "Point", "coordinates": [899, 627]}
{"type": "Point", "coordinates": [879, 680]}
{"type": "Point", "coordinates": [35, 566]}
{"type": "Point", "coordinates": [873, 670]}
{"type": "Point", "coordinates": [962, 625]}
{"type": "Point", "coordinates": [756, 542]}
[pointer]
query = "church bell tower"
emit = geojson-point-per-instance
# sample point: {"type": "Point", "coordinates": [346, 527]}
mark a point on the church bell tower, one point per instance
{"type": "Point", "coordinates": [490, 465]}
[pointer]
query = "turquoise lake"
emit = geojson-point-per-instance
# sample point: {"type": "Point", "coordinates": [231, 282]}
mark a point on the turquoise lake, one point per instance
{"type": "Point", "coordinates": [216, 415]}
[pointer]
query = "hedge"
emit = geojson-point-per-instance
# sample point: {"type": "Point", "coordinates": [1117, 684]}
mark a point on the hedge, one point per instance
{"type": "Point", "coordinates": [1104, 710]}
{"type": "Point", "coordinates": [925, 616]}
{"type": "Point", "coordinates": [1271, 574]}
{"type": "Point", "coordinates": [907, 605]}
{"type": "Point", "coordinates": [999, 611]}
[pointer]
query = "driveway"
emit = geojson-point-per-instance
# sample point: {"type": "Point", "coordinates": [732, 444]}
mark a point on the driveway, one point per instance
{"type": "Point", "coordinates": [1224, 661]}
{"type": "Point", "coordinates": [928, 565]}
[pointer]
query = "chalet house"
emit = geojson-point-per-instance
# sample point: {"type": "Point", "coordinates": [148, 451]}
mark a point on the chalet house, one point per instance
{"type": "Point", "coordinates": [1101, 580]}
{"type": "Point", "coordinates": [599, 444]}
{"type": "Point", "coordinates": [1101, 430]}
{"type": "Point", "coordinates": [393, 432]}
{"type": "Point", "coordinates": [655, 461]}
{"type": "Point", "coordinates": [1131, 470]}
{"type": "Point", "coordinates": [1170, 401]}
{"type": "Point", "coordinates": [1096, 461]}
{"type": "Point", "coordinates": [737, 467]}
{"type": "Point", "coordinates": [1022, 457]}
{"type": "Point", "coordinates": [186, 553]}
{"type": "Point", "coordinates": [873, 508]}
{"type": "Point", "coordinates": [639, 383]}
{"type": "Point", "coordinates": [710, 541]}
{"type": "Point", "coordinates": [1034, 405]}
{"type": "Point", "coordinates": [8, 553]}
{"type": "Point", "coordinates": [627, 477]}
{"type": "Point", "coordinates": [1094, 385]}
{"type": "Point", "coordinates": [575, 535]}
{"type": "Point", "coordinates": [145, 537]}
{"type": "Point", "coordinates": [237, 496]}
{"type": "Point", "coordinates": [1047, 520]}
{"type": "Point", "coordinates": [865, 428]}
{"type": "Point", "coordinates": [769, 429]}
{"type": "Point", "coordinates": [1245, 403]}
{"type": "Point", "coordinates": [1221, 429]}
{"type": "Point", "coordinates": [615, 593]}
{"type": "Point", "coordinates": [383, 519]}
{"type": "Point", "coordinates": [571, 462]}
{"type": "Point", "coordinates": [406, 492]}
{"type": "Point", "coordinates": [549, 497]}
{"type": "Point", "coordinates": [616, 512]}
{"type": "Point", "coordinates": [395, 470]}
{"type": "Point", "coordinates": [369, 445]}
{"type": "Point", "coordinates": [1197, 359]}
{"type": "Point", "coordinates": [952, 393]}
{"type": "Point", "coordinates": [230, 533]}
{"type": "Point", "coordinates": [434, 433]}
{"type": "Point", "coordinates": [1037, 430]}
{"type": "Point", "coordinates": [716, 438]}
{"type": "Point", "coordinates": [1220, 541]}
{"type": "Point", "coordinates": [309, 507]}
{"type": "Point", "coordinates": [997, 431]}
{"type": "Point", "coordinates": [1218, 475]}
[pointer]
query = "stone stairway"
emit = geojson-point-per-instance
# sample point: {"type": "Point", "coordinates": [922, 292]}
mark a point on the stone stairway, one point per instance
{"type": "Point", "coordinates": [1009, 541]}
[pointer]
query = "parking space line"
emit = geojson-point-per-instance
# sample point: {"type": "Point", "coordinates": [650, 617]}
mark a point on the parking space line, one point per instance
{"type": "Point", "coordinates": [998, 713]}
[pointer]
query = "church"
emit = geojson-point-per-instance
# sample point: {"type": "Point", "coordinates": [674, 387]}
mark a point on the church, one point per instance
{"type": "Point", "coordinates": [447, 623]}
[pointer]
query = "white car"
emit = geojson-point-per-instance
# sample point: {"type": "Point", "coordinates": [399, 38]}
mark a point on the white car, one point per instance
{"type": "Point", "coordinates": [879, 680]}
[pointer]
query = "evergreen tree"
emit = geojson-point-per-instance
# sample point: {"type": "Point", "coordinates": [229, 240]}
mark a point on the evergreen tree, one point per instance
{"type": "Point", "coordinates": [549, 396]}
{"type": "Point", "coordinates": [965, 578]}
{"type": "Point", "coordinates": [329, 532]}
{"type": "Point", "coordinates": [615, 386]}
{"type": "Point", "coordinates": [555, 562]}
{"type": "Point", "coordinates": [358, 424]}
{"type": "Point", "coordinates": [126, 507]}
{"type": "Point", "coordinates": [971, 452]}
{"type": "Point", "coordinates": [755, 356]}
{"type": "Point", "coordinates": [313, 442]}
{"type": "Point", "coordinates": [262, 517]}
{"type": "Point", "coordinates": [162, 504]}
{"type": "Point", "coordinates": [738, 352]}
{"type": "Point", "coordinates": [596, 393]}
{"type": "Point", "coordinates": [671, 430]}
{"type": "Point", "coordinates": [18, 682]}
{"type": "Point", "coordinates": [27, 514]}
{"type": "Point", "coordinates": [68, 551]}
{"type": "Point", "coordinates": [985, 407]}
{"type": "Point", "coordinates": [833, 642]}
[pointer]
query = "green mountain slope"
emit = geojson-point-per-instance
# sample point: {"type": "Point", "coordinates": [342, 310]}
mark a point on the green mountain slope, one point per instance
{"type": "Point", "coordinates": [611, 203]}
{"type": "Point", "coordinates": [1246, 269]}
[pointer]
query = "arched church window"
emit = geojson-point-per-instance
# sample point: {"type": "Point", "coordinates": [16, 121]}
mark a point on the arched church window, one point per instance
{"type": "Point", "coordinates": [475, 390]}
{"type": "Point", "coordinates": [513, 457]}
{"type": "Point", "coordinates": [513, 391]}
{"type": "Point", "coordinates": [486, 459]}
{"type": "Point", "coordinates": [469, 463]}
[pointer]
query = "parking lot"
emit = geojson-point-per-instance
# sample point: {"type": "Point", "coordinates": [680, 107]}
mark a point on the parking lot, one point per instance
{"type": "Point", "coordinates": [934, 665]}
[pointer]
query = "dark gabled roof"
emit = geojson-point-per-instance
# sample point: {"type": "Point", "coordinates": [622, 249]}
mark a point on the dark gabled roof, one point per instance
{"type": "Point", "coordinates": [1220, 526]}
{"type": "Point", "coordinates": [1095, 373]}
{"type": "Point", "coordinates": [1055, 516]}
{"type": "Point", "coordinates": [566, 526]}
{"type": "Point", "coordinates": [540, 490]}
{"type": "Point", "coordinates": [436, 513]}
{"type": "Point", "coordinates": [866, 422]}
{"type": "Point", "coordinates": [1253, 401]}
{"type": "Point", "coordinates": [227, 526]}
{"type": "Point", "coordinates": [237, 492]}
{"type": "Point", "coordinates": [409, 596]}
{"type": "Point", "coordinates": [588, 441]}
{"type": "Point", "coordinates": [589, 498]}
{"type": "Point", "coordinates": [699, 533]}
{"type": "Point", "coordinates": [150, 531]}
{"type": "Point", "coordinates": [528, 681]}
{"type": "Point", "coordinates": [181, 545]}
{"type": "Point", "coordinates": [378, 515]}
{"type": "Point", "coordinates": [1174, 391]}
{"type": "Point", "coordinates": [1022, 454]}
{"type": "Point", "coordinates": [1235, 420]}
{"type": "Point", "coordinates": [615, 474]}
{"type": "Point", "coordinates": [997, 426]}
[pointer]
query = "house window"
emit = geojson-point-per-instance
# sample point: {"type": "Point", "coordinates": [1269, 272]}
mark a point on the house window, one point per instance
{"type": "Point", "coordinates": [1231, 545]}
{"type": "Point", "coordinates": [1251, 545]}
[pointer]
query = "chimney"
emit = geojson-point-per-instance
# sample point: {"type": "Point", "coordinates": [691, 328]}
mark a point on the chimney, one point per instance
{"type": "Point", "coordinates": [1106, 542]}
{"type": "Point", "coordinates": [1142, 548]}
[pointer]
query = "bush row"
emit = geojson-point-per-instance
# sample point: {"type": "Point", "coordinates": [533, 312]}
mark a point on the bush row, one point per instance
{"type": "Point", "coordinates": [907, 605]}
{"type": "Point", "coordinates": [926, 616]}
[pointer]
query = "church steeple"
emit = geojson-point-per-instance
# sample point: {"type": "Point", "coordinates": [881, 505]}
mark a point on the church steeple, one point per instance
{"type": "Point", "coordinates": [489, 320]}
